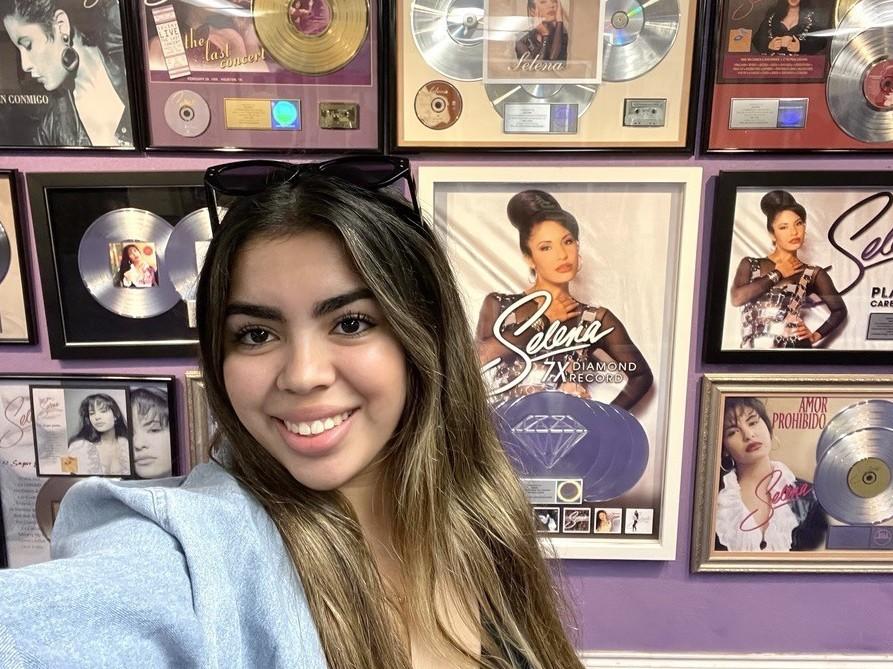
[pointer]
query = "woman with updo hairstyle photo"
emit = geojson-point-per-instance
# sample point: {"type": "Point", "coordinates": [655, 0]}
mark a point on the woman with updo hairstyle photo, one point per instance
{"type": "Point", "coordinates": [549, 239]}
{"type": "Point", "coordinates": [774, 291]}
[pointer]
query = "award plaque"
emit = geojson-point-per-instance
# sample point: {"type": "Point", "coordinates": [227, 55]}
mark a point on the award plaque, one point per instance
{"type": "Point", "coordinates": [802, 76]}
{"type": "Point", "coordinates": [518, 74]}
{"type": "Point", "coordinates": [583, 357]}
{"type": "Point", "coordinates": [794, 474]}
{"type": "Point", "coordinates": [65, 85]}
{"type": "Point", "coordinates": [300, 75]}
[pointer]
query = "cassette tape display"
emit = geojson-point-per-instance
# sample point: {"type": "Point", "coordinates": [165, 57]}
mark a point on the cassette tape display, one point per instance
{"type": "Point", "coordinates": [803, 76]}
{"type": "Point", "coordinates": [262, 74]}
{"type": "Point", "coordinates": [552, 75]}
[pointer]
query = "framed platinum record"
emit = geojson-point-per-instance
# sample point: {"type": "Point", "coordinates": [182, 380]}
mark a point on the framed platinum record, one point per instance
{"type": "Point", "coordinates": [584, 356]}
{"type": "Point", "coordinates": [64, 79]}
{"type": "Point", "coordinates": [300, 75]}
{"type": "Point", "coordinates": [121, 254]}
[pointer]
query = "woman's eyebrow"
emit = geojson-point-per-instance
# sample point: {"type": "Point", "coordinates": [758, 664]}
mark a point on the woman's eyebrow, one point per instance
{"type": "Point", "coordinates": [330, 304]}
{"type": "Point", "coordinates": [253, 310]}
{"type": "Point", "coordinates": [320, 308]}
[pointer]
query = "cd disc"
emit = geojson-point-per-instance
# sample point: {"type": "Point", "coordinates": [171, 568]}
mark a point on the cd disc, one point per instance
{"type": "Point", "coordinates": [5, 253]}
{"type": "Point", "coordinates": [187, 113]}
{"type": "Point", "coordinates": [438, 105]}
{"type": "Point", "coordinates": [101, 251]}
{"type": "Point", "coordinates": [186, 248]}
{"type": "Point", "coordinates": [578, 94]}
{"type": "Point", "coordinates": [637, 36]}
{"type": "Point", "coordinates": [861, 15]}
{"type": "Point", "coordinates": [449, 35]}
{"type": "Point", "coordinates": [314, 38]}
{"type": "Point", "coordinates": [843, 8]}
{"type": "Point", "coordinates": [868, 413]}
{"type": "Point", "coordinates": [852, 480]}
{"type": "Point", "coordinates": [860, 86]}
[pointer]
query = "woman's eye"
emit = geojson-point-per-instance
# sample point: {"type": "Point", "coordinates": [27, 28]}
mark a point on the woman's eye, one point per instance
{"type": "Point", "coordinates": [254, 336]}
{"type": "Point", "coordinates": [352, 325]}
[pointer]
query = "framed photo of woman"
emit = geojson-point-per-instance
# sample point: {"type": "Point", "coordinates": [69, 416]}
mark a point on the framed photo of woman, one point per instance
{"type": "Point", "coordinates": [798, 268]}
{"type": "Point", "coordinates": [585, 356]}
{"type": "Point", "coordinates": [16, 325]}
{"type": "Point", "coordinates": [794, 474]}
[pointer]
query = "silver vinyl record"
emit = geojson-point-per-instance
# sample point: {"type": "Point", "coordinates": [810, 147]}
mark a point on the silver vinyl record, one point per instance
{"type": "Point", "coordinates": [868, 413]}
{"type": "Point", "coordinates": [578, 94]}
{"type": "Point", "coordinates": [450, 36]}
{"type": "Point", "coordinates": [863, 15]}
{"type": "Point", "coordinates": [859, 88]}
{"type": "Point", "coordinates": [853, 478]}
{"type": "Point", "coordinates": [94, 262]}
{"type": "Point", "coordinates": [637, 36]}
{"type": "Point", "coordinates": [183, 252]}
{"type": "Point", "coordinates": [5, 253]}
{"type": "Point", "coordinates": [187, 113]}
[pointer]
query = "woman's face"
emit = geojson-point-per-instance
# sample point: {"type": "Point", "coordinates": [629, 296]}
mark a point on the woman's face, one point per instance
{"type": "Point", "coordinates": [133, 253]}
{"type": "Point", "coordinates": [788, 231]}
{"type": "Point", "coordinates": [315, 375]}
{"type": "Point", "coordinates": [102, 418]}
{"type": "Point", "coordinates": [41, 55]}
{"type": "Point", "coordinates": [554, 253]}
{"type": "Point", "coordinates": [745, 436]}
{"type": "Point", "coordinates": [151, 446]}
{"type": "Point", "coordinates": [547, 10]}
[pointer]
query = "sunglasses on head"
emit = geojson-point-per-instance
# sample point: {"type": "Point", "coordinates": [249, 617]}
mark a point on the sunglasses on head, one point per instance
{"type": "Point", "coordinates": [246, 178]}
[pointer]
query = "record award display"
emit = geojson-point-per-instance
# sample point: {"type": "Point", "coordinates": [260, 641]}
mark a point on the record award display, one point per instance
{"type": "Point", "coordinates": [518, 74]}
{"type": "Point", "coordinates": [64, 81]}
{"type": "Point", "coordinates": [804, 75]}
{"type": "Point", "coordinates": [583, 353]}
{"type": "Point", "coordinates": [120, 254]}
{"type": "Point", "coordinates": [16, 326]}
{"type": "Point", "coordinates": [267, 74]}
{"type": "Point", "coordinates": [795, 474]}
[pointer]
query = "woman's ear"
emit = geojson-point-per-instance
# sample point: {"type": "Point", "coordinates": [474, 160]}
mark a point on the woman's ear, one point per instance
{"type": "Point", "coordinates": [61, 24]}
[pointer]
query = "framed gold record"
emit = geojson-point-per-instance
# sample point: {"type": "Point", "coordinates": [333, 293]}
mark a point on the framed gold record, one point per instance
{"type": "Point", "coordinates": [562, 74]}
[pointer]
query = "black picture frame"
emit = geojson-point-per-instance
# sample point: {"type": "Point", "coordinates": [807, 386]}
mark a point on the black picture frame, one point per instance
{"type": "Point", "coordinates": [15, 285]}
{"type": "Point", "coordinates": [842, 207]}
{"type": "Point", "coordinates": [63, 207]}
{"type": "Point", "coordinates": [17, 454]}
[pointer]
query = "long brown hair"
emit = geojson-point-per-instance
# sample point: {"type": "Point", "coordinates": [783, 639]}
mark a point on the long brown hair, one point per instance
{"type": "Point", "coordinates": [460, 518]}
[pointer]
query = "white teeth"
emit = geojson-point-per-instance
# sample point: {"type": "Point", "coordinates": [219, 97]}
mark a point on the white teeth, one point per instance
{"type": "Point", "coordinates": [317, 426]}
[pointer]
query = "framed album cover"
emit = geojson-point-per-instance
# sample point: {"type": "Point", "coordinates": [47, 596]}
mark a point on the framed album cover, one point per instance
{"type": "Point", "coordinates": [551, 74]}
{"type": "Point", "coordinates": [301, 76]}
{"type": "Point", "coordinates": [120, 254]}
{"type": "Point", "coordinates": [64, 80]}
{"type": "Point", "coordinates": [584, 354]}
{"type": "Point", "coordinates": [16, 325]}
{"type": "Point", "coordinates": [798, 268]}
{"type": "Point", "coordinates": [58, 429]}
{"type": "Point", "coordinates": [794, 474]}
{"type": "Point", "coordinates": [797, 76]}
{"type": "Point", "coordinates": [202, 425]}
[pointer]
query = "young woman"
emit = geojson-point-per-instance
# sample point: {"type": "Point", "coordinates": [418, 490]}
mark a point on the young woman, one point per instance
{"type": "Point", "coordinates": [100, 444]}
{"type": "Point", "coordinates": [773, 290]}
{"type": "Point", "coordinates": [135, 270]}
{"type": "Point", "coordinates": [74, 49]}
{"type": "Point", "coordinates": [746, 520]}
{"type": "Point", "coordinates": [361, 513]}
{"type": "Point", "coordinates": [548, 38]}
{"type": "Point", "coordinates": [549, 240]}
{"type": "Point", "coordinates": [787, 28]}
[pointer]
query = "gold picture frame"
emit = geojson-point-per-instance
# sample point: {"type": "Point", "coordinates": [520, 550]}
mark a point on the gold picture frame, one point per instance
{"type": "Point", "coordinates": [201, 423]}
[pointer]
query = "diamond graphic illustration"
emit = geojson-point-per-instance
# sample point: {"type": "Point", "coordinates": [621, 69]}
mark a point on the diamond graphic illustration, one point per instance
{"type": "Point", "coordinates": [548, 438]}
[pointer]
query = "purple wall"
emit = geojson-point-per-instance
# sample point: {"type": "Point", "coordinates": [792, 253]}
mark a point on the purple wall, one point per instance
{"type": "Point", "coordinates": [643, 606]}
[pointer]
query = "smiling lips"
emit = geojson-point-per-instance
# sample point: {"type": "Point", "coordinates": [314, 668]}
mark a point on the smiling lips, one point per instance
{"type": "Point", "coordinates": [317, 426]}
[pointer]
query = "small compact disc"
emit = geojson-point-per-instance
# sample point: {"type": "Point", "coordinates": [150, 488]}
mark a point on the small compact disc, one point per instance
{"type": "Point", "coordinates": [438, 105]}
{"type": "Point", "coordinates": [186, 250]}
{"type": "Point", "coordinates": [576, 94]}
{"type": "Point", "coordinates": [859, 87]}
{"type": "Point", "coordinates": [187, 113]}
{"type": "Point", "coordinates": [637, 36]}
{"type": "Point", "coordinates": [100, 261]}
{"type": "Point", "coordinates": [5, 253]}
{"type": "Point", "coordinates": [449, 35]}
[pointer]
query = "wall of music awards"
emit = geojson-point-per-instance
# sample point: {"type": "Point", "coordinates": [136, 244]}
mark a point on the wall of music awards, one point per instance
{"type": "Point", "coordinates": [728, 165]}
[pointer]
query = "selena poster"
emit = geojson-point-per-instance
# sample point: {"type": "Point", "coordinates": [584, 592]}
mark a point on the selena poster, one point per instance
{"type": "Point", "coordinates": [571, 282]}
{"type": "Point", "coordinates": [827, 238]}
{"type": "Point", "coordinates": [63, 76]}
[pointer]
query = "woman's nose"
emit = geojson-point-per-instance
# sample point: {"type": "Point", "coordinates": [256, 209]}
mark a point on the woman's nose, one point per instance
{"type": "Point", "coordinates": [307, 365]}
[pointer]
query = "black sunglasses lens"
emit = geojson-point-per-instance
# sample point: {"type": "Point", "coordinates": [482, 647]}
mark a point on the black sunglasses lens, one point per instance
{"type": "Point", "coordinates": [366, 173]}
{"type": "Point", "coordinates": [251, 179]}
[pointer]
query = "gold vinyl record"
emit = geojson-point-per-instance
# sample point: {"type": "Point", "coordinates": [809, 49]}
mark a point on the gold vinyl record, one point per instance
{"type": "Point", "coordinates": [313, 37]}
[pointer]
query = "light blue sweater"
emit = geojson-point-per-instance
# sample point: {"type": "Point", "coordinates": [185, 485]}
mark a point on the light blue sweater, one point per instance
{"type": "Point", "coordinates": [179, 573]}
